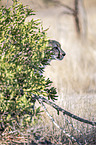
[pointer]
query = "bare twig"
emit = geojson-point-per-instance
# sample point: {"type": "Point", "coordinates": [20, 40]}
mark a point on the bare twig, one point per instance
{"type": "Point", "coordinates": [75, 129]}
{"type": "Point", "coordinates": [68, 10]}
{"type": "Point", "coordinates": [68, 135]}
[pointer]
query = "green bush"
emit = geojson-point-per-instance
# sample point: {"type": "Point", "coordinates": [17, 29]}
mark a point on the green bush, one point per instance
{"type": "Point", "coordinates": [23, 54]}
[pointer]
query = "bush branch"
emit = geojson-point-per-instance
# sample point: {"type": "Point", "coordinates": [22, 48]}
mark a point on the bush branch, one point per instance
{"type": "Point", "coordinates": [64, 111]}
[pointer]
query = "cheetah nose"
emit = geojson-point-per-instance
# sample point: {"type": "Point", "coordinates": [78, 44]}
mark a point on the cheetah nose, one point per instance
{"type": "Point", "coordinates": [64, 54]}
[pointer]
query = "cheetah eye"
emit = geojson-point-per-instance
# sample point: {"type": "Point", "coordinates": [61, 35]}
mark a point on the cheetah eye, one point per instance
{"type": "Point", "coordinates": [56, 48]}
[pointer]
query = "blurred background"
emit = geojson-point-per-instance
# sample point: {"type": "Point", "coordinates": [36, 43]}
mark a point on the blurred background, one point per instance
{"type": "Point", "coordinates": [74, 26]}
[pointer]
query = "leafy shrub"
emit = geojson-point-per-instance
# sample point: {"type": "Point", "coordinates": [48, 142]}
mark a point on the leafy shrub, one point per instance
{"type": "Point", "coordinates": [23, 54]}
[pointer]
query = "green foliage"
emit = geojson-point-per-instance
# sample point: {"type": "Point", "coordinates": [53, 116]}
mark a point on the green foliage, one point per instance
{"type": "Point", "coordinates": [23, 55]}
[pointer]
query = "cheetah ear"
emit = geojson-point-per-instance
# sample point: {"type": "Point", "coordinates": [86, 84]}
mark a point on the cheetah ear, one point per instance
{"type": "Point", "coordinates": [50, 43]}
{"type": "Point", "coordinates": [49, 40]}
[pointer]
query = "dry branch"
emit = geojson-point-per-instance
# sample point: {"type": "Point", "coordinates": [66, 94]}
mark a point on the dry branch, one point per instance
{"type": "Point", "coordinates": [79, 14]}
{"type": "Point", "coordinates": [76, 15]}
{"type": "Point", "coordinates": [83, 18]}
{"type": "Point", "coordinates": [64, 111]}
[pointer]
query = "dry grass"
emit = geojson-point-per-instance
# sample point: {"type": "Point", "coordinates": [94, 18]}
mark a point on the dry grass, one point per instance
{"type": "Point", "coordinates": [48, 134]}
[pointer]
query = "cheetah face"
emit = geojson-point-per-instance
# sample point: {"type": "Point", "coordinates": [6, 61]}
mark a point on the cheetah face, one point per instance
{"type": "Point", "coordinates": [58, 53]}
